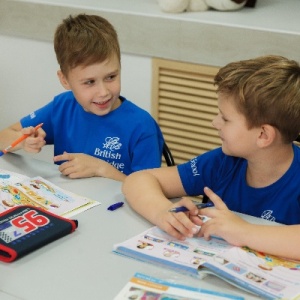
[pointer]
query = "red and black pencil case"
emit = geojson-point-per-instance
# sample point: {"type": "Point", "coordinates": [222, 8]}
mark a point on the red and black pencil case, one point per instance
{"type": "Point", "coordinates": [24, 229]}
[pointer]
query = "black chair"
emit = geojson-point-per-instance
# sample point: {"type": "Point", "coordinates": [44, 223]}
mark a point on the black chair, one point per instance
{"type": "Point", "coordinates": [168, 155]}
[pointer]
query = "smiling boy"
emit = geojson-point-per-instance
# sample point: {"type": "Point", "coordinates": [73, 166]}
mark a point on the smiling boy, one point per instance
{"type": "Point", "coordinates": [95, 131]}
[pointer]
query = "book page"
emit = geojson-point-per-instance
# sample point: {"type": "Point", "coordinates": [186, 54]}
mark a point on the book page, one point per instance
{"type": "Point", "coordinates": [266, 275]}
{"type": "Point", "coordinates": [154, 245]}
{"type": "Point", "coordinates": [262, 274]}
{"type": "Point", "coordinates": [142, 287]}
{"type": "Point", "coordinates": [16, 189]}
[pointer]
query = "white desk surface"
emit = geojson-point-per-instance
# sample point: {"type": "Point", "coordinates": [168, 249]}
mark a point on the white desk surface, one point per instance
{"type": "Point", "coordinates": [82, 264]}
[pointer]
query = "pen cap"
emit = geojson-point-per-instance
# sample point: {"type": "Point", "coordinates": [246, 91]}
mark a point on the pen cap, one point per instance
{"type": "Point", "coordinates": [115, 206]}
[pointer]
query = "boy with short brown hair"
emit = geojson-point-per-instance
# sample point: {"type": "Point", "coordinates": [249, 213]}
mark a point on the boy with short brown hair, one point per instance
{"type": "Point", "coordinates": [95, 131]}
{"type": "Point", "coordinates": [255, 172]}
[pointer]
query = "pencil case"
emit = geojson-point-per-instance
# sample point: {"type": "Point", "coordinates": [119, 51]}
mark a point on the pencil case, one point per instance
{"type": "Point", "coordinates": [24, 229]}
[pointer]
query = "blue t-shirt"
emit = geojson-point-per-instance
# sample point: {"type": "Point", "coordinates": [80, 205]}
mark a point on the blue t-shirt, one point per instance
{"type": "Point", "coordinates": [226, 176]}
{"type": "Point", "coordinates": [128, 137]}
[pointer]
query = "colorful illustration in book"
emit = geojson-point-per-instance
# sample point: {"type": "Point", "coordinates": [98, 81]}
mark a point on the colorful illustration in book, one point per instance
{"type": "Point", "coordinates": [44, 189]}
{"type": "Point", "coordinates": [271, 261]}
{"type": "Point", "coordinates": [171, 253]}
{"type": "Point", "coordinates": [141, 294]}
{"type": "Point", "coordinates": [38, 184]}
{"type": "Point", "coordinates": [153, 238]}
{"type": "Point", "coordinates": [204, 252]}
{"type": "Point", "coordinates": [17, 189]}
{"type": "Point", "coordinates": [255, 277]}
{"type": "Point", "coordinates": [197, 261]}
{"type": "Point", "coordinates": [12, 196]}
{"type": "Point", "coordinates": [178, 245]}
{"type": "Point", "coordinates": [144, 245]}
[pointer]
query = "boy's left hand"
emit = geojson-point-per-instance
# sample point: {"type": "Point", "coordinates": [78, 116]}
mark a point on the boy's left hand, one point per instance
{"type": "Point", "coordinates": [223, 222]}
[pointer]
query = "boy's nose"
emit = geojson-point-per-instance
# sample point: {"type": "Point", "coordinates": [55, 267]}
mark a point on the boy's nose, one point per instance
{"type": "Point", "coordinates": [102, 90]}
{"type": "Point", "coordinates": [216, 122]}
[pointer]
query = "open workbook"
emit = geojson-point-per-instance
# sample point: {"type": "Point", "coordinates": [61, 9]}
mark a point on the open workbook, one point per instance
{"type": "Point", "coordinates": [17, 189]}
{"type": "Point", "coordinates": [265, 275]}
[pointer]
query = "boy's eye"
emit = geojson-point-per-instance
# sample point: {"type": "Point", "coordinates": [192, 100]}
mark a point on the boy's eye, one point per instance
{"type": "Point", "coordinates": [89, 82]}
{"type": "Point", "coordinates": [111, 77]}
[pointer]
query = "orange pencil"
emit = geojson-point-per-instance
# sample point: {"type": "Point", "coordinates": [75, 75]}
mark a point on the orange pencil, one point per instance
{"type": "Point", "coordinates": [19, 140]}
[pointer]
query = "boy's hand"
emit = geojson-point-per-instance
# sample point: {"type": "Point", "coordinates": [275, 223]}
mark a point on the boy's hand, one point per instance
{"type": "Point", "coordinates": [178, 224]}
{"type": "Point", "coordinates": [79, 165]}
{"type": "Point", "coordinates": [223, 222]}
{"type": "Point", "coordinates": [36, 140]}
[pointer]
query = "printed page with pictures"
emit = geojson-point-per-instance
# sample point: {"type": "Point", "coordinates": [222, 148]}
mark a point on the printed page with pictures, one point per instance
{"type": "Point", "coordinates": [142, 286]}
{"type": "Point", "coordinates": [154, 245]}
{"type": "Point", "coordinates": [265, 275]}
{"type": "Point", "coordinates": [17, 189]}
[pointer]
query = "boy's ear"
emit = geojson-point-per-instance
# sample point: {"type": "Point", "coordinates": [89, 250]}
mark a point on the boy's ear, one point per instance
{"type": "Point", "coordinates": [267, 135]}
{"type": "Point", "coordinates": [63, 80]}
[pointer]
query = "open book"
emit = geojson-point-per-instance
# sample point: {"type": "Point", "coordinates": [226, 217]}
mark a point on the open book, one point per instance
{"type": "Point", "coordinates": [142, 286]}
{"type": "Point", "coordinates": [265, 275]}
{"type": "Point", "coordinates": [17, 189]}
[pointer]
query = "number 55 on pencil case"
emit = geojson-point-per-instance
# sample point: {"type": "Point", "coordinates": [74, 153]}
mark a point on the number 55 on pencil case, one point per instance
{"type": "Point", "coordinates": [24, 229]}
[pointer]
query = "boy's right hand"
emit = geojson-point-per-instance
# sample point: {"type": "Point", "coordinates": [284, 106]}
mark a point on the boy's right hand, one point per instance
{"type": "Point", "coordinates": [36, 140]}
{"type": "Point", "coordinates": [178, 225]}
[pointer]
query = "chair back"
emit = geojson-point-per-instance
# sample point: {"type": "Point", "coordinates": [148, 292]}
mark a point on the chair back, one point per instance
{"type": "Point", "coordinates": [168, 155]}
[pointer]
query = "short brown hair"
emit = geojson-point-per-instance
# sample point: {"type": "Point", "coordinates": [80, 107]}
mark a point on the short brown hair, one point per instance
{"type": "Point", "coordinates": [84, 40]}
{"type": "Point", "coordinates": [266, 90]}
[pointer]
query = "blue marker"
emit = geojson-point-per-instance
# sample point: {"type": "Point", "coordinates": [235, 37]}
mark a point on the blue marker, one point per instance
{"type": "Point", "coordinates": [183, 208]}
{"type": "Point", "coordinates": [115, 206]}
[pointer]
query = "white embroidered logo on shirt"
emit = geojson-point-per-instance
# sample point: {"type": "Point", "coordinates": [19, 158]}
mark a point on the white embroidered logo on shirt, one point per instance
{"type": "Point", "coordinates": [194, 167]}
{"type": "Point", "coordinates": [32, 115]}
{"type": "Point", "coordinates": [112, 143]}
{"type": "Point", "coordinates": [267, 215]}
{"type": "Point", "coordinates": [109, 154]}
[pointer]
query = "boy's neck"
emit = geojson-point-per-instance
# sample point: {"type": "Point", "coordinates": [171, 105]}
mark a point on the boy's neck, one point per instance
{"type": "Point", "coordinates": [269, 168]}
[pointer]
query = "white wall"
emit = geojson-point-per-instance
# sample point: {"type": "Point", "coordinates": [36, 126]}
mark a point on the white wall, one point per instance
{"type": "Point", "coordinates": [28, 79]}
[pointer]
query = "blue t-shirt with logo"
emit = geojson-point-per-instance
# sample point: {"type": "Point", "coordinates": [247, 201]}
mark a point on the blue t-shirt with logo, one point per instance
{"type": "Point", "coordinates": [226, 176]}
{"type": "Point", "coordinates": [128, 137]}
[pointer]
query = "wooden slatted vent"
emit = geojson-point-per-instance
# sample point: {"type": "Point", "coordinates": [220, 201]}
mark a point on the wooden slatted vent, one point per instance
{"type": "Point", "coordinates": [184, 103]}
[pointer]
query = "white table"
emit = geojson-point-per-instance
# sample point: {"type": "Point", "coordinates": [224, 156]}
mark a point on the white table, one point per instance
{"type": "Point", "coordinates": [82, 266]}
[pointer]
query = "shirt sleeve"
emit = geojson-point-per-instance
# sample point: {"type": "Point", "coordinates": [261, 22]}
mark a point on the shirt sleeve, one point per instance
{"type": "Point", "coordinates": [41, 115]}
{"type": "Point", "coordinates": [201, 171]}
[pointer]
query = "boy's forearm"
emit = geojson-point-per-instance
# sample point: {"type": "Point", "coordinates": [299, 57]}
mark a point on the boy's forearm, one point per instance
{"type": "Point", "coordinates": [116, 175]}
{"type": "Point", "coordinates": [283, 240]}
{"type": "Point", "coordinates": [107, 170]}
{"type": "Point", "coordinates": [144, 195]}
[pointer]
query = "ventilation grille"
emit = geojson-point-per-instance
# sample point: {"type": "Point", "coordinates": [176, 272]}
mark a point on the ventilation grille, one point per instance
{"type": "Point", "coordinates": [184, 104]}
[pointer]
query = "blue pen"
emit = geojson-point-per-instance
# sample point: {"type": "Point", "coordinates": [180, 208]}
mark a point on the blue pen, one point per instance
{"type": "Point", "coordinates": [183, 208]}
{"type": "Point", "coordinates": [115, 206]}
